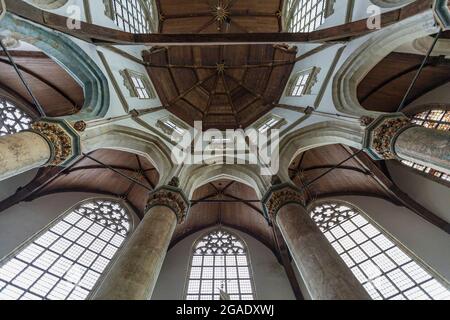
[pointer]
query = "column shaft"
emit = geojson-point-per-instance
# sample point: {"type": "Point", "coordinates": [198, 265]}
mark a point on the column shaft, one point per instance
{"type": "Point", "coordinates": [428, 147]}
{"type": "Point", "coordinates": [134, 274]}
{"type": "Point", "coordinates": [21, 152]}
{"type": "Point", "coordinates": [323, 271]}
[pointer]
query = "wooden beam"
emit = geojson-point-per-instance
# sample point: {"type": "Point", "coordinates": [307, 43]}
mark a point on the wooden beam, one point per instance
{"type": "Point", "coordinates": [102, 35]}
{"type": "Point", "coordinates": [397, 194]}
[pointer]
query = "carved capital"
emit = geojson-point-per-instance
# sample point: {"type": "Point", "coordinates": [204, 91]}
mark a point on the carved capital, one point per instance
{"type": "Point", "coordinates": [172, 198]}
{"type": "Point", "coordinates": [279, 196]}
{"type": "Point", "coordinates": [381, 134]}
{"type": "Point", "coordinates": [62, 138]}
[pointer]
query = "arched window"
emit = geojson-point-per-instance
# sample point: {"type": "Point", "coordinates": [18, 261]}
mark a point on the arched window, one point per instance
{"type": "Point", "coordinates": [135, 16]}
{"type": "Point", "coordinates": [383, 268]}
{"type": "Point", "coordinates": [435, 119]}
{"type": "Point", "coordinates": [12, 119]}
{"type": "Point", "coordinates": [307, 15]}
{"type": "Point", "coordinates": [66, 260]}
{"type": "Point", "coordinates": [220, 262]}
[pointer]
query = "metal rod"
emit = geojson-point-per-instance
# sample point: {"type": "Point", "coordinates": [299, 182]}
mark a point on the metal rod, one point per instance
{"type": "Point", "coordinates": [416, 77]}
{"type": "Point", "coordinates": [118, 172]}
{"type": "Point", "coordinates": [328, 171]}
{"type": "Point", "coordinates": [11, 60]}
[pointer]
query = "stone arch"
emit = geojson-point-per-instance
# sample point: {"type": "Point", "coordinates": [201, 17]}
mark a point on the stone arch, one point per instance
{"type": "Point", "coordinates": [317, 135]}
{"type": "Point", "coordinates": [390, 3]}
{"type": "Point", "coordinates": [372, 50]}
{"type": "Point", "coordinates": [133, 141]}
{"type": "Point", "coordinates": [71, 58]}
{"type": "Point", "coordinates": [194, 177]}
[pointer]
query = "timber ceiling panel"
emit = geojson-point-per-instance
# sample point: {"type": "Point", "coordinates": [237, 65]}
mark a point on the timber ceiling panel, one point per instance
{"type": "Point", "coordinates": [246, 217]}
{"type": "Point", "coordinates": [212, 16]}
{"type": "Point", "coordinates": [89, 176]}
{"type": "Point", "coordinates": [57, 92]}
{"type": "Point", "coordinates": [226, 87]}
{"type": "Point", "coordinates": [350, 179]}
{"type": "Point", "coordinates": [386, 84]}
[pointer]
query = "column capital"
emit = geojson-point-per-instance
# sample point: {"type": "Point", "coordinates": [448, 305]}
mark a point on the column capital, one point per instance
{"type": "Point", "coordinates": [172, 197]}
{"type": "Point", "coordinates": [280, 195]}
{"type": "Point", "coordinates": [381, 133]}
{"type": "Point", "coordinates": [64, 141]}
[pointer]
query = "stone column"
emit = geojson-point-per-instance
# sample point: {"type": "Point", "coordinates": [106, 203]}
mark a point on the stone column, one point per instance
{"type": "Point", "coordinates": [324, 273]}
{"type": "Point", "coordinates": [134, 275]}
{"type": "Point", "coordinates": [394, 136]}
{"type": "Point", "coordinates": [48, 142]}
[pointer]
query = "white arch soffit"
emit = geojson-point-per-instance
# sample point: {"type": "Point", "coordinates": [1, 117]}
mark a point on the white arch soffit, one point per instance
{"type": "Point", "coordinates": [135, 141]}
{"type": "Point", "coordinates": [391, 3]}
{"type": "Point", "coordinates": [194, 177]}
{"type": "Point", "coordinates": [377, 46]}
{"type": "Point", "coordinates": [315, 136]}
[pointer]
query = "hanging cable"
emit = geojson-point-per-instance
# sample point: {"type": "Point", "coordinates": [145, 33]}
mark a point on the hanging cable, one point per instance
{"type": "Point", "coordinates": [19, 73]}
{"type": "Point", "coordinates": [430, 50]}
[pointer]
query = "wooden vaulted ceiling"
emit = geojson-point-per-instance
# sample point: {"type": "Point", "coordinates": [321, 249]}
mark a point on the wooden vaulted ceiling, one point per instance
{"type": "Point", "coordinates": [351, 178]}
{"type": "Point", "coordinates": [89, 176]}
{"type": "Point", "coordinates": [57, 92]}
{"type": "Point", "coordinates": [224, 204]}
{"type": "Point", "coordinates": [386, 84]}
{"type": "Point", "coordinates": [226, 87]}
{"type": "Point", "coordinates": [223, 86]}
{"type": "Point", "coordinates": [212, 16]}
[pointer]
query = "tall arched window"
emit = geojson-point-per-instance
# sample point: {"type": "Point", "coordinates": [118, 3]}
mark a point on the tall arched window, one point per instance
{"type": "Point", "coordinates": [66, 260]}
{"type": "Point", "coordinates": [384, 269]}
{"type": "Point", "coordinates": [12, 119]}
{"type": "Point", "coordinates": [306, 15]}
{"type": "Point", "coordinates": [135, 16]}
{"type": "Point", "coordinates": [435, 119]}
{"type": "Point", "coordinates": [220, 263]}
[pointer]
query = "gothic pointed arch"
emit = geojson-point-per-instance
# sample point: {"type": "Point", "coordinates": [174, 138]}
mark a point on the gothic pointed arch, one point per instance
{"type": "Point", "coordinates": [220, 268]}
{"type": "Point", "coordinates": [71, 57]}
{"type": "Point", "coordinates": [68, 258]}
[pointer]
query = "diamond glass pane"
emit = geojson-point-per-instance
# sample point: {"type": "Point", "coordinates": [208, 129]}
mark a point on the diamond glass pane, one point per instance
{"type": "Point", "coordinates": [384, 270]}
{"type": "Point", "coordinates": [66, 261]}
{"type": "Point", "coordinates": [306, 16]}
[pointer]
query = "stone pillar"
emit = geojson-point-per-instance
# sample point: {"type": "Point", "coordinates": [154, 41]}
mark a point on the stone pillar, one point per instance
{"type": "Point", "coordinates": [134, 274]}
{"type": "Point", "coordinates": [324, 273]}
{"type": "Point", "coordinates": [394, 136]}
{"type": "Point", "coordinates": [48, 142]}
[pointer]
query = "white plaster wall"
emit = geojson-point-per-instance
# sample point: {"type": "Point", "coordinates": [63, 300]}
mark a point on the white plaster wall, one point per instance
{"type": "Point", "coordinates": [426, 241]}
{"type": "Point", "coordinates": [433, 195]}
{"type": "Point", "coordinates": [24, 220]}
{"type": "Point", "coordinates": [270, 278]}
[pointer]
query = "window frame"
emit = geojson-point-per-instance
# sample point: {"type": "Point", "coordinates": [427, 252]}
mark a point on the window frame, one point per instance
{"type": "Point", "coordinates": [153, 20]}
{"type": "Point", "coordinates": [191, 255]}
{"type": "Point", "coordinates": [414, 257]}
{"type": "Point", "coordinates": [312, 74]}
{"type": "Point", "coordinates": [5, 100]}
{"type": "Point", "coordinates": [133, 225]}
{"type": "Point", "coordinates": [128, 76]}
{"type": "Point", "coordinates": [290, 7]}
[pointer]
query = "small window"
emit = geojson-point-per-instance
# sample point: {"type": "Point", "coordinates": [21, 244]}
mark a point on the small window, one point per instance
{"type": "Point", "coordinates": [172, 127]}
{"type": "Point", "coordinates": [302, 82]}
{"type": "Point", "coordinates": [66, 260]}
{"type": "Point", "coordinates": [135, 16]}
{"type": "Point", "coordinates": [12, 119]}
{"type": "Point", "coordinates": [270, 122]}
{"type": "Point", "coordinates": [385, 270]}
{"type": "Point", "coordinates": [138, 85]}
{"type": "Point", "coordinates": [434, 119]}
{"type": "Point", "coordinates": [220, 268]}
